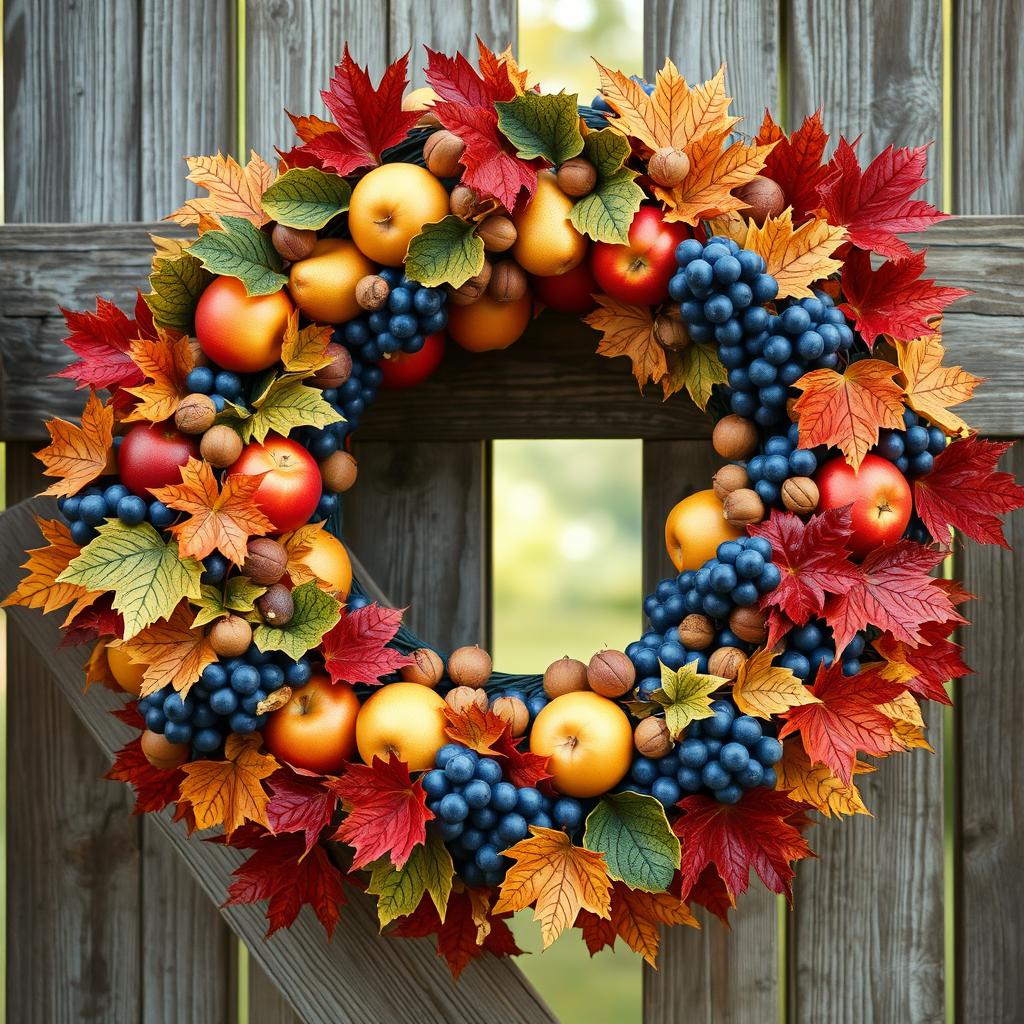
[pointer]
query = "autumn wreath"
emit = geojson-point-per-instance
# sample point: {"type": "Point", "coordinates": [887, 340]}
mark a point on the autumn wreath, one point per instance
{"type": "Point", "coordinates": [197, 541]}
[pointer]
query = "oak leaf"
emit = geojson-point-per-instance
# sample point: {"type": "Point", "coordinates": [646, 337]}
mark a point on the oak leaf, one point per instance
{"type": "Point", "coordinates": [932, 388]}
{"type": "Point", "coordinates": [798, 257]}
{"type": "Point", "coordinates": [357, 649]}
{"type": "Point", "coordinates": [765, 690]}
{"type": "Point", "coordinates": [233, 190]}
{"type": "Point", "coordinates": [815, 785]}
{"type": "Point", "coordinates": [299, 804]}
{"type": "Point", "coordinates": [165, 363]}
{"type": "Point", "coordinates": [629, 331]}
{"type": "Point", "coordinates": [101, 339]}
{"type": "Point", "coordinates": [795, 164]}
{"type": "Point", "coordinates": [78, 454]}
{"type": "Point", "coordinates": [39, 588]}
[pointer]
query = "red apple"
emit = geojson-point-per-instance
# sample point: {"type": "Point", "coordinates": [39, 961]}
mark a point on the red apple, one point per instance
{"type": "Point", "coordinates": [151, 455]}
{"type": "Point", "coordinates": [639, 271]}
{"type": "Point", "coordinates": [571, 292]}
{"type": "Point", "coordinates": [880, 495]}
{"type": "Point", "coordinates": [291, 488]}
{"type": "Point", "coordinates": [405, 369]}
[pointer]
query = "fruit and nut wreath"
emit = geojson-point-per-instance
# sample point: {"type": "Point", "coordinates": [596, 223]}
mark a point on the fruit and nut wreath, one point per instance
{"type": "Point", "coordinates": [198, 552]}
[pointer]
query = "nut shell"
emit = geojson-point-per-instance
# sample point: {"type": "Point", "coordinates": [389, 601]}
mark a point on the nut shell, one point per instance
{"type": "Point", "coordinates": [764, 199]}
{"type": "Point", "coordinates": [497, 232]}
{"type": "Point", "coordinates": [469, 666]}
{"type": "Point", "coordinates": [565, 676]}
{"type": "Point", "coordinates": [696, 632]}
{"type": "Point", "coordinates": [734, 437]}
{"type": "Point", "coordinates": [462, 698]}
{"type": "Point", "coordinates": [611, 673]}
{"type": "Point", "coordinates": [669, 166]}
{"type": "Point", "coordinates": [463, 202]}
{"type": "Point", "coordinates": [339, 472]}
{"type": "Point", "coordinates": [743, 507]}
{"type": "Point", "coordinates": [728, 479]}
{"type": "Point", "coordinates": [726, 662]}
{"type": "Point", "coordinates": [671, 333]}
{"type": "Point", "coordinates": [337, 371]}
{"type": "Point", "coordinates": [372, 292]}
{"type": "Point", "coordinates": [426, 668]}
{"type": "Point", "coordinates": [749, 625]}
{"type": "Point", "coordinates": [231, 636]}
{"type": "Point", "coordinates": [468, 292]}
{"type": "Point", "coordinates": [293, 244]}
{"type": "Point", "coordinates": [652, 738]}
{"type": "Point", "coordinates": [266, 561]}
{"type": "Point", "coordinates": [800, 495]}
{"type": "Point", "coordinates": [195, 414]}
{"type": "Point", "coordinates": [577, 177]}
{"type": "Point", "coordinates": [276, 605]}
{"type": "Point", "coordinates": [508, 282]}
{"type": "Point", "coordinates": [220, 446]}
{"type": "Point", "coordinates": [513, 711]}
{"type": "Point", "coordinates": [442, 152]}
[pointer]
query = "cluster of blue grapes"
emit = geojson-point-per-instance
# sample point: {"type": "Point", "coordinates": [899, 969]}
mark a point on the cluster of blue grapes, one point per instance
{"type": "Point", "coordinates": [913, 449]}
{"type": "Point", "coordinates": [85, 511]}
{"type": "Point", "coordinates": [669, 649]}
{"type": "Point", "coordinates": [741, 572]}
{"type": "Point", "coordinates": [479, 814]}
{"type": "Point", "coordinates": [808, 647]}
{"type": "Point", "coordinates": [223, 700]}
{"type": "Point", "coordinates": [222, 386]}
{"type": "Point", "coordinates": [779, 459]}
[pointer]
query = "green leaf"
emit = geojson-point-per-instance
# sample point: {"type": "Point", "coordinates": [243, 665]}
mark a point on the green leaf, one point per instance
{"type": "Point", "coordinates": [542, 126]}
{"type": "Point", "coordinates": [238, 596]}
{"type": "Point", "coordinates": [428, 870]}
{"type": "Point", "coordinates": [638, 844]}
{"type": "Point", "coordinates": [144, 572]}
{"type": "Point", "coordinates": [699, 369]}
{"type": "Point", "coordinates": [177, 284]}
{"type": "Point", "coordinates": [447, 252]}
{"type": "Point", "coordinates": [306, 197]}
{"type": "Point", "coordinates": [241, 250]}
{"type": "Point", "coordinates": [686, 696]}
{"type": "Point", "coordinates": [607, 212]}
{"type": "Point", "coordinates": [286, 404]}
{"type": "Point", "coordinates": [315, 613]}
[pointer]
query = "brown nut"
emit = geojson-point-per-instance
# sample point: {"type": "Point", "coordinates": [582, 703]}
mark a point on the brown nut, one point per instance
{"type": "Point", "coordinates": [513, 711]}
{"type": "Point", "coordinates": [426, 668]}
{"type": "Point", "coordinates": [292, 244]}
{"type": "Point", "coordinates": [728, 479]}
{"type": "Point", "coordinates": [610, 673]}
{"type": "Point", "coordinates": [469, 666]}
{"type": "Point", "coordinates": [163, 754]}
{"type": "Point", "coordinates": [266, 561]}
{"type": "Point", "coordinates": [230, 636]}
{"type": "Point", "coordinates": [743, 507]}
{"type": "Point", "coordinates": [565, 676]}
{"type": "Point", "coordinates": [220, 446]}
{"type": "Point", "coordinates": [471, 290]}
{"type": "Point", "coordinates": [442, 152]}
{"type": "Point", "coordinates": [734, 437]}
{"type": "Point", "coordinates": [652, 738]}
{"type": "Point", "coordinates": [497, 232]}
{"type": "Point", "coordinates": [800, 495]}
{"type": "Point", "coordinates": [749, 625]}
{"type": "Point", "coordinates": [669, 166]}
{"type": "Point", "coordinates": [338, 472]}
{"type": "Point", "coordinates": [199, 357]}
{"type": "Point", "coordinates": [671, 333]}
{"type": "Point", "coordinates": [508, 282]}
{"type": "Point", "coordinates": [462, 698]}
{"type": "Point", "coordinates": [463, 202]}
{"type": "Point", "coordinates": [764, 199]}
{"type": "Point", "coordinates": [195, 414]}
{"type": "Point", "coordinates": [276, 605]}
{"type": "Point", "coordinates": [696, 632]}
{"type": "Point", "coordinates": [372, 292]}
{"type": "Point", "coordinates": [726, 662]}
{"type": "Point", "coordinates": [577, 177]}
{"type": "Point", "coordinates": [337, 371]}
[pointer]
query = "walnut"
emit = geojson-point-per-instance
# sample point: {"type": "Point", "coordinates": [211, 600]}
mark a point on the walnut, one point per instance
{"type": "Point", "coordinates": [651, 738]}
{"type": "Point", "coordinates": [728, 479]}
{"type": "Point", "coordinates": [565, 676]}
{"type": "Point", "coordinates": [338, 472]}
{"type": "Point", "coordinates": [513, 711]}
{"type": "Point", "coordinates": [469, 666]}
{"type": "Point", "coordinates": [497, 232]}
{"type": "Point", "coordinates": [800, 495]}
{"type": "Point", "coordinates": [764, 199]}
{"type": "Point", "coordinates": [266, 561]}
{"type": "Point", "coordinates": [292, 244]}
{"type": "Point", "coordinates": [696, 632]}
{"type": "Point", "coordinates": [726, 662]}
{"type": "Point", "coordinates": [427, 668]}
{"type": "Point", "coordinates": [195, 414]}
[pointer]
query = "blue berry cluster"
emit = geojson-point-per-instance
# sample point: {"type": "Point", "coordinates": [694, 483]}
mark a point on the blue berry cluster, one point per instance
{"type": "Point", "coordinates": [808, 647]}
{"type": "Point", "coordinates": [222, 386]}
{"type": "Point", "coordinates": [223, 700]}
{"type": "Point", "coordinates": [479, 814]}
{"type": "Point", "coordinates": [779, 459]}
{"type": "Point", "coordinates": [912, 449]}
{"type": "Point", "coordinates": [93, 506]}
{"type": "Point", "coordinates": [737, 577]}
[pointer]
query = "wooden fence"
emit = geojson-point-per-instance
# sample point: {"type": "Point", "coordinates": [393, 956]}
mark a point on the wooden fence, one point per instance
{"type": "Point", "coordinates": [913, 915]}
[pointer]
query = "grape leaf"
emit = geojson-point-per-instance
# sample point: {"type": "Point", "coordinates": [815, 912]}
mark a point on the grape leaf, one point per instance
{"type": "Point", "coordinates": [798, 257]}
{"type": "Point", "coordinates": [240, 250]}
{"type": "Point", "coordinates": [448, 252]}
{"type": "Point", "coordinates": [285, 405]}
{"type": "Point", "coordinates": [629, 331]}
{"type": "Point", "coordinates": [557, 879]}
{"type": "Point", "coordinates": [315, 613]}
{"type": "Point", "coordinates": [765, 690]}
{"type": "Point", "coordinates": [165, 363]}
{"type": "Point", "coordinates": [100, 340]}
{"type": "Point", "coordinates": [733, 838]}
{"type": "Point", "coordinates": [795, 164]}
{"type": "Point", "coordinates": [545, 126]}
{"type": "Point", "coordinates": [299, 804]}
{"type": "Point", "coordinates": [176, 285]}
{"type": "Point", "coordinates": [233, 190]}
{"type": "Point", "coordinates": [305, 350]}
{"type": "Point", "coordinates": [685, 694]}
{"type": "Point", "coordinates": [306, 198]}
{"type": "Point", "coordinates": [386, 811]}
{"type": "Point", "coordinates": [964, 491]}
{"type": "Point", "coordinates": [638, 844]}
{"type": "Point", "coordinates": [144, 572]}
{"type": "Point", "coordinates": [698, 369]}
{"type": "Point", "coordinates": [607, 212]}
{"type": "Point", "coordinates": [932, 388]}
{"type": "Point", "coordinates": [428, 871]}
{"type": "Point", "coordinates": [874, 204]}
{"type": "Point", "coordinates": [892, 300]}
{"type": "Point", "coordinates": [237, 595]}
{"type": "Point", "coordinates": [154, 788]}
{"type": "Point", "coordinates": [848, 409]}
{"type": "Point", "coordinates": [815, 785]}
{"type": "Point", "coordinates": [356, 650]}
{"type": "Point", "coordinates": [230, 791]}
{"type": "Point", "coordinates": [78, 454]}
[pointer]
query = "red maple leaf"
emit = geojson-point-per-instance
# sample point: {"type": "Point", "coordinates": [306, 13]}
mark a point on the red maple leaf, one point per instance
{"type": "Point", "coordinates": [99, 619]}
{"type": "Point", "coordinates": [285, 872]}
{"type": "Point", "coordinates": [356, 650]}
{"type": "Point", "coordinates": [713, 894]}
{"type": "Point", "coordinates": [814, 562]}
{"type": "Point", "coordinates": [893, 592]}
{"type": "Point", "coordinates": [892, 299]}
{"type": "Point", "coordinates": [795, 164]}
{"type": "Point", "coordinates": [963, 490]}
{"type": "Point", "coordinates": [154, 788]}
{"type": "Point", "coordinates": [598, 932]}
{"type": "Point", "coordinates": [101, 341]}
{"type": "Point", "coordinates": [371, 120]}
{"type": "Point", "coordinates": [300, 803]}
{"type": "Point", "coordinates": [521, 767]}
{"type": "Point", "coordinates": [733, 838]}
{"type": "Point", "coordinates": [936, 660]}
{"type": "Point", "coordinates": [387, 811]}
{"type": "Point", "coordinates": [874, 204]}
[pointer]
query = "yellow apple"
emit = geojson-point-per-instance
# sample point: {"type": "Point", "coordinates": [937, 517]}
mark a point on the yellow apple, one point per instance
{"type": "Point", "coordinates": [323, 285]}
{"type": "Point", "coordinates": [327, 557]}
{"type": "Point", "coordinates": [695, 528]}
{"type": "Point", "coordinates": [546, 242]}
{"type": "Point", "coordinates": [588, 739]}
{"type": "Point", "coordinates": [404, 719]}
{"type": "Point", "coordinates": [127, 673]}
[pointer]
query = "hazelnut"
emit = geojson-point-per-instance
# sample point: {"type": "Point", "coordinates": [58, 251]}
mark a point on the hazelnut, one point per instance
{"type": "Point", "coordinates": [696, 632]}
{"type": "Point", "coordinates": [508, 282]}
{"type": "Point", "coordinates": [734, 437]}
{"type": "Point", "coordinates": [469, 291]}
{"type": "Point", "coordinates": [276, 605]}
{"type": "Point", "coordinates": [749, 625]}
{"type": "Point", "coordinates": [565, 676]}
{"type": "Point", "coordinates": [266, 561]}
{"type": "Point", "coordinates": [463, 202]}
{"type": "Point", "coordinates": [800, 495]}
{"type": "Point", "coordinates": [372, 292]}
{"type": "Point", "coordinates": [195, 414]}
{"type": "Point", "coordinates": [220, 446]}
{"type": "Point", "coordinates": [611, 674]}
{"type": "Point", "coordinates": [726, 662]}
{"type": "Point", "coordinates": [671, 333]}
{"type": "Point", "coordinates": [293, 244]}
{"type": "Point", "coordinates": [743, 507]}
{"type": "Point", "coordinates": [577, 177]}
{"type": "Point", "coordinates": [728, 479]}
{"type": "Point", "coordinates": [462, 698]}
{"type": "Point", "coordinates": [427, 668]}
{"type": "Point", "coordinates": [469, 666]}
{"type": "Point", "coordinates": [163, 754]}
{"type": "Point", "coordinates": [442, 152]}
{"type": "Point", "coordinates": [651, 737]}
{"type": "Point", "coordinates": [513, 711]}
{"type": "Point", "coordinates": [230, 636]}
{"type": "Point", "coordinates": [338, 472]}
{"type": "Point", "coordinates": [337, 371]}
{"type": "Point", "coordinates": [764, 199]}
{"type": "Point", "coordinates": [669, 166]}
{"type": "Point", "coordinates": [497, 232]}
{"type": "Point", "coordinates": [198, 355]}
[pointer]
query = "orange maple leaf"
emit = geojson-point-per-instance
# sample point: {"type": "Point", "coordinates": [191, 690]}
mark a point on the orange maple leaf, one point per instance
{"type": "Point", "coordinates": [796, 258]}
{"type": "Point", "coordinates": [637, 917]}
{"type": "Point", "coordinates": [304, 351]}
{"type": "Point", "coordinates": [479, 730]}
{"type": "Point", "coordinates": [97, 668]}
{"type": "Point", "coordinates": [233, 190]}
{"type": "Point", "coordinates": [764, 690]}
{"type": "Point", "coordinates": [78, 454]}
{"type": "Point", "coordinates": [557, 878]}
{"type": "Point", "coordinates": [173, 652]}
{"type": "Point", "coordinates": [629, 331]}
{"type": "Point", "coordinates": [815, 784]}
{"type": "Point", "coordinates": [40, 589]}
{"type": "Point", "coordinates": [931, 387]}
{"type": "Point", "coordinates": [230, 792]}
{"type": "Point", "coordinates": [907, 721]}
{"type": "Point", "coordinates": [166, 363]}
{"type": "Point", "coordinates": [847, 409]}
{"type": "Point", "coordinates": [218, 519]}
{"type": "Point", "coordinates": [297, 544]}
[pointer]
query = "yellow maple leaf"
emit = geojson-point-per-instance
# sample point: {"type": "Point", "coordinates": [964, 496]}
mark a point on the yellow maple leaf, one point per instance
{"type": "Point", "coordinates": [230, 792]}
{"type": "Point", "coordinates": [40, 589]}
{"type": "Point", "coordinates": [796, 258]}
{"type": "Point", "coordinates": [557, 878]}
{"type": "Point", "coordinates": [907, 721]}
{"type": "Point", "coordinates": [814, 784]}
{"type": "Point", "coordinates": [78, 454]}
{"type": "Point", "coordinates": [629, 331]}
{"type": "Point", "coordinates": [233, 190]}
{"type": "Point", "coordinates": [221, 519]}
{"type": "Point", "coordinates": [304, 351]}
{"type": "Point", "coordinates": [167, 248]}
{"type": "Point", "coordinates": [731, 225]}
{"type": "Point", "coordinates": [297, 544]}
{"type": "Point", "coordinates": [166, 362]}
{"type": "Point", "coordinates": [931, 387]}
{"type": "Point", "coordinates": [764, 689]}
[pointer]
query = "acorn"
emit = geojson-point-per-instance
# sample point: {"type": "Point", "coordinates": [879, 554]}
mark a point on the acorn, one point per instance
{"type": "Point", "coordinates": [266, 561]}
{"type": "Point", "coordinates": [726, 662]}
{"type": "Point", "coordinates": [611, 673]}
{"type": "Point", "coordinates": [749, 625]}
{"type": "Point", "coordinates": [462, 698]}
{"type": "Point", "coordinates": [800, 495]}
{"type": "Point", "coordinates": [442, 152]}
{"type": "Point", "coordinates": [577, 177]}
{"type": "Point", "coordinates": [513, 711]}
{"type": "Point", "coordinates": [497, 232]}
{"type": "Point", "coordinates": [338, 472]}
{"type": "Point", "coordinates": [469, 291]}
{"type": "Point", "coordinates": [671, 333]}
{"type": "Point", "coordinates": [195, 414]}
{"type": "Point", "coordinates": [220, 446]}
{"type": "Point", "coordinates": [734, 437]}
{"type": "Point", "coordinates": [652, 738]}
{"type": "Point", "coordinates": [508, 282]}
{"type": "Point", "coordinates": [728, 479]}
{"type": "Point", "coordinates": [163, 754]}
{"type": "Point", "coordinates": [743, 507]}
{"type": "Point", "coordinates": [292, 244]}
{"type": "Point", "coordinates": [469, 666]}
{"type": "Point", "coordinates": [230, 636]}
{"type": "Point", "coordinates": [764, 198]}
{"type": "Point", "coordinates": [669, 166]}
{"type": "Point", "coordinates": [463, 202]}
{"type": "Point", "coordinates": [696, 632]}
{"type": "Point", "coordinates": [372, 292]}
{"type": "Point", "coordinates": [565, 676]}
{"type": "Point", "coordinates": [426, 668]}
{"type": "Point", "coordinates": [337, 371]}
{"type": "Point", "coordinates": [276, 605]}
